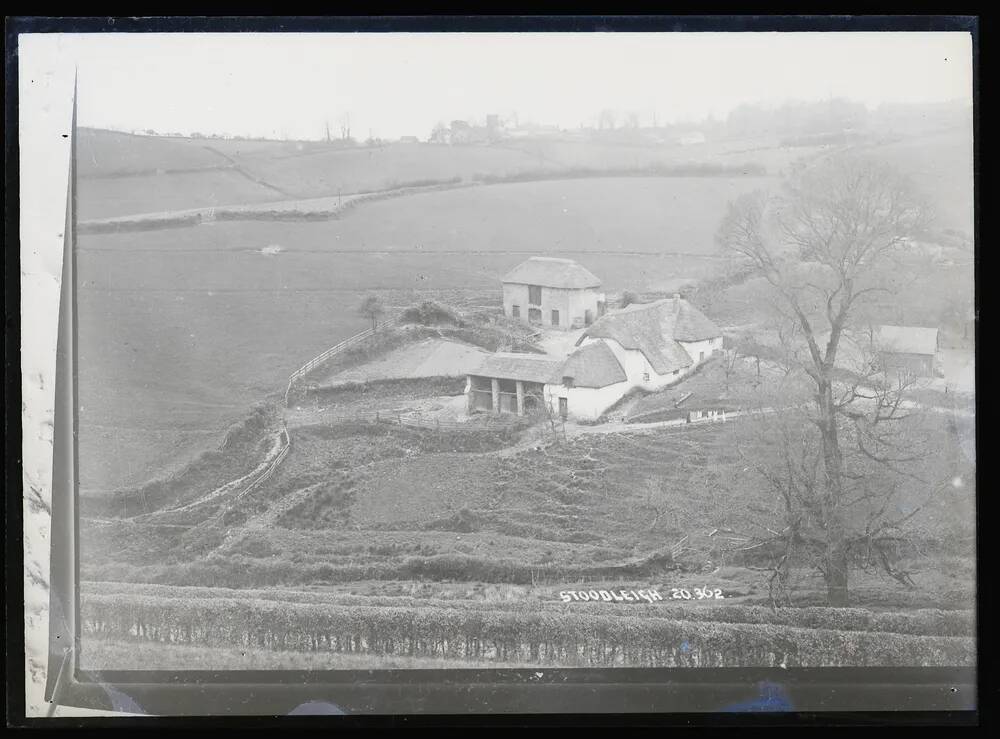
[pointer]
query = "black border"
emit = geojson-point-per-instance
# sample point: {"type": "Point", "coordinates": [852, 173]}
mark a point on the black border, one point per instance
{"type": "Point", "coordinates": [701, 689]}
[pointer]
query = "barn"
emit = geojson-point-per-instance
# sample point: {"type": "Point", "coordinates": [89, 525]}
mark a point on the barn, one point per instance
{"type": "Point", "coordinates": [507, 382]}
{"type": "Point", "coordinates": [552, 292]}
{"type": "Point", "coordinates": [645, 346]}
{"type": "Point", "coordinates": [910, 349]}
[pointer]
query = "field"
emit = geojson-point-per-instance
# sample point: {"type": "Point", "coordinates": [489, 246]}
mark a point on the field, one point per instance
{"type": "Point", "coordinates": [183, 329]}
{"type": "Point", "coordinates": [124, 174]}
{"type": "Point", "coordinates": [376, 544]}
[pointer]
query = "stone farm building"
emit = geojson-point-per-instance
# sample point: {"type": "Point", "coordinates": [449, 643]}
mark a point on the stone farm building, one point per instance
{"type": "Point", "coordinates": [909, 349]}
{"type": "Point", "coordinates": [646, 346]}
{"type": "Point", "coordinates": [558, 293]}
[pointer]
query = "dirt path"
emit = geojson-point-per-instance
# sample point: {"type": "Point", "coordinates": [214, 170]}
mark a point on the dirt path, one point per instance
{"type": "Point", "coordinates": [275, 448]}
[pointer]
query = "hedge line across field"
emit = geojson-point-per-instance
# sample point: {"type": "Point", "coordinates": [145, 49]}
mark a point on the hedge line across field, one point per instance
{"type": "Point", "coordinates": [546, 636]}
{"type": "Point", "coordinates": [920, 622]}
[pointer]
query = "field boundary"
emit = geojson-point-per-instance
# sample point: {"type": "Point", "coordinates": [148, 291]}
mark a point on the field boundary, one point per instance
{"type": "Point", "coordinates": [298, 209]}
{"type": "Point", "coordinates": [334, 350]}
{"type": "Point", "coordinates": [248, 482]}
{"type": "Point", "coordinates": [413, 419]}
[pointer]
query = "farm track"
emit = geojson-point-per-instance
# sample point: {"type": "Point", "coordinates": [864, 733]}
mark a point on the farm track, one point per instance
{"type": "Point", "coordinates": [275, 450]}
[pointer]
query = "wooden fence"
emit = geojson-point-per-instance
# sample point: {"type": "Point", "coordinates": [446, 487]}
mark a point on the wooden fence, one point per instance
{"type": "Point", "coordinates": [319, 359]}
{"type": "Point", "coordinates": [266, 473]}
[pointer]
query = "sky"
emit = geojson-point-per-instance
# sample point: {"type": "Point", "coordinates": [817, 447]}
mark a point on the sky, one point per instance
{"type": "Point", "coordinates": [396, 84]}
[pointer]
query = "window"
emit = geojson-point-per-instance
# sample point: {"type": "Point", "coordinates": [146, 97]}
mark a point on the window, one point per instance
{"type": "Point", "coordinates": [568, 381]}
{"type": "Point", "coordinates": [534, 294]}
{"type": "Point", "coordinates": [645, 376]}
{"type": "Point", "coordinates": [701, 356]}
{"type": "Point", "coordinates": [535, 315]}
{"type": "Point", "coordinates": [555, 318]}
{"type": "Point", "coordinates": [677, 372]}
{"type": "Point", "coordinates": [515, 311]}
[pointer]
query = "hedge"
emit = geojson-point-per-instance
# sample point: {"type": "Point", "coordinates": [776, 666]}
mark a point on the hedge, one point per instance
{"type": "Point", "coordinates": [544, 636]}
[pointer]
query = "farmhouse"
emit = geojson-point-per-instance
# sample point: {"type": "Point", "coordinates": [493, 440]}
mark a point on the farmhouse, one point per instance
{"type": "Point", "coordinates": [546, 291]}
{"type": "Point", "coordinates": [645, 346]}
{"type": "Point", "coordinates": [907, 348]}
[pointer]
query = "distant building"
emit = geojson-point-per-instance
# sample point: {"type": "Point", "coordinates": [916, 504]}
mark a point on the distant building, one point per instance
{"type": "Point", "coordinates": [908, 349]}
{"type": "Point", "coordinates": [546, 291]}
{"type": "Point", "coordinates": [646, 346]}
{"type": "Point", "coordinates": [409, 140]}
{"type": "Point", "coordinates": [691, 139]}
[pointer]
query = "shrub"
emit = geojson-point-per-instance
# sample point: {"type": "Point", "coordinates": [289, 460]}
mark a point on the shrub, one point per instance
{"type": "Point", "coordinates": [502, 634]}
{"type": "Point", "coordinates": [431, 313]}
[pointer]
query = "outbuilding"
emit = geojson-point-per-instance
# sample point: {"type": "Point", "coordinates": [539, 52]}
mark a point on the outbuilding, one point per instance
{"type": "Point", "coordinates": [553, 292]}
{"type": "Point", "coordinates": [910, 349]}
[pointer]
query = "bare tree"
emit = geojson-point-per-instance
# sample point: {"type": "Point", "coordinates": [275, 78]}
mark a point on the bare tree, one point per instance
{"type": "Point", "coordinates": [345, 125]}
{"type": "Point", "coordinates": [825, 247]}
{"type": "Point", "coordinates": [730, 361]}
{"type": "Point", "coordinates": [372, 308]}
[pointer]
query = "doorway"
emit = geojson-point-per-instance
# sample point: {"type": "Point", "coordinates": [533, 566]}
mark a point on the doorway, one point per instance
{"type": "Point", "coordinates": [563, 408]}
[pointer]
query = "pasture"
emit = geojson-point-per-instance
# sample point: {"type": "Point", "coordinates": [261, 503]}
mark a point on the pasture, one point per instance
{"type": "Point", "coordinates": [181, 330]}
{"type": "Point", "coordinates": [356, 548]}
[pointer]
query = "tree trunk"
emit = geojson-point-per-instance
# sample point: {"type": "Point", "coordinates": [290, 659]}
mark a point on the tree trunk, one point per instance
{"type": "Point", "coordinates": [836, 577]}
{"type": "Point", "coordinates": [836, 546]}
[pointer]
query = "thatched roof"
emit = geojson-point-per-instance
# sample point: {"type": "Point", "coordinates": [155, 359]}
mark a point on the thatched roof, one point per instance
{"type": "Point", "coordinates": [528, 367]}
{"type": "Point", "coordinates": [594, 365]}
{"type": "Point", "coordinates": [552, 272]}
{"type": "Point", "coordinates": [906, 339]}
{"type": "Point", "coordinates": [654, 329]}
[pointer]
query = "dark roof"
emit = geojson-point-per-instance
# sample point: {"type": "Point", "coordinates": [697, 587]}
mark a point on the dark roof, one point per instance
{"type": "Point", "coordinates": [594, 365]}
{"type": "Point", "coordinates": [530, 367]}
{"type": "Point", "coordinates": [552, 272]}
{"type": "Point", "coordinates": [906, 339]}
{"type": "Point", "coordinates": [654, 329]}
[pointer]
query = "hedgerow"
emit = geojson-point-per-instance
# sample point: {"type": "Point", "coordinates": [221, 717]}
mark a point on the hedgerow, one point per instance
{"type": "Point", "coordinates": [496, 634]}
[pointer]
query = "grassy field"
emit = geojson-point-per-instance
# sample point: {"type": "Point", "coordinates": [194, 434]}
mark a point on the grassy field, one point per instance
{"type": "Point", "coordinates": [381, 502]}
{"type": "Point", "coordinates": [146, 193]}
{"type": "Point", "coordinates": [183, 329]}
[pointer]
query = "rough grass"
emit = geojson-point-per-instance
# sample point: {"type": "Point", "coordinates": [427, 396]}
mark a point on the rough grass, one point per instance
{"type": "Point", "coordinates": [238, 453]}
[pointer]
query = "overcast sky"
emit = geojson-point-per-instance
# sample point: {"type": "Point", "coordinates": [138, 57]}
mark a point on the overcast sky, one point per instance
{"type": "Point", "coordinates": [401, 84]}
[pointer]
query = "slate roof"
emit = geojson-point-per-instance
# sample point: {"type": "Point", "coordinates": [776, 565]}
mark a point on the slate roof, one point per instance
{"type": "Point", "coordinates": [654, 329]}
{"type": "Point", "coordinates": [529, 367]}
{"type": "Point", "coordinates": [552, 272]}
{"type": "Point", "coordinates": [906, 339]}
{"type": "Point", "coordinates": [594, 365]}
